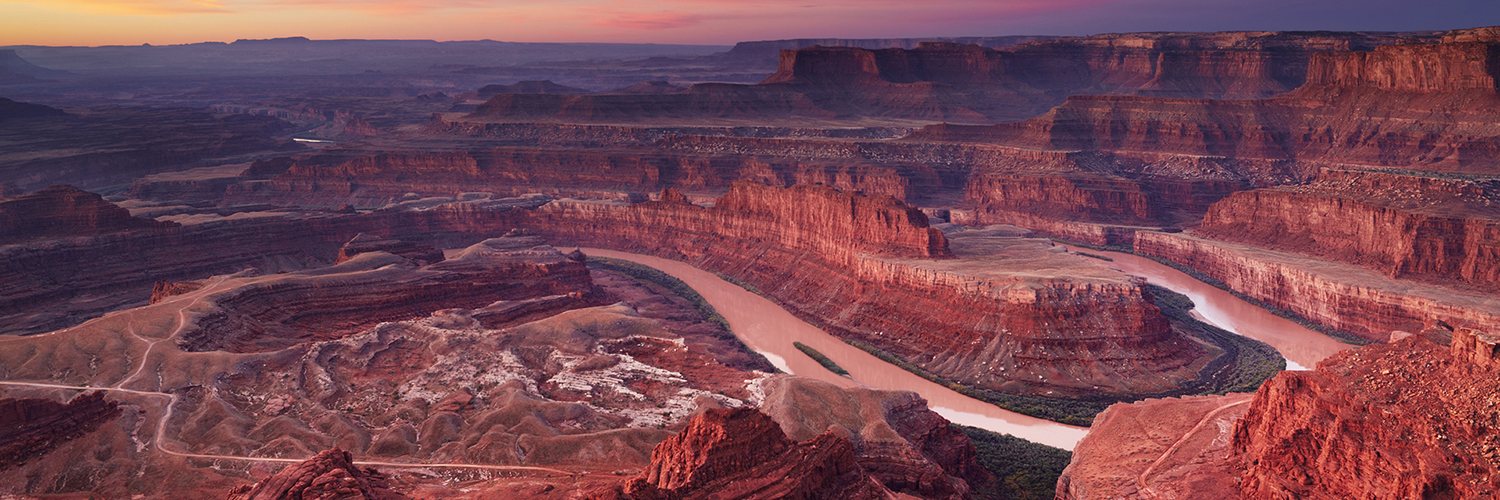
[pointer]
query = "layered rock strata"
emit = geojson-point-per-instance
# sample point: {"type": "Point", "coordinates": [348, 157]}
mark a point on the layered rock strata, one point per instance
{"type": "Point", "coordinates": [1414, 419]}
{"type": "Point", "coordinates": [528, 387]}
{"type": "Point", "coordinates": [61, 211]}
{"type": "Point", "coordinates": [50, 284]}
{"type": "Point", "coordinates": [329, 475]}
{"type": "Point", "coordinates": [262, 313]}
{"type": "Point", "coordinates": [863, 267]}
{"type": "Point", "coordinates": [965, 82]}
{"type": "Point", "coordinates": [1340, 295]}
{"type": "Point", "coordinates": [1406, 226]}
{"type": "Point", "coordinates": [31, 427]}
{"type": "Point", "coordinates": [742, 454]}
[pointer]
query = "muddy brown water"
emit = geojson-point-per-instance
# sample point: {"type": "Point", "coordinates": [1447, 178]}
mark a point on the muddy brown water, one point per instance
{"type": "Point", "coordinates": [770, 330]}
{"type": "Point", "coordinates": [1303, 348]}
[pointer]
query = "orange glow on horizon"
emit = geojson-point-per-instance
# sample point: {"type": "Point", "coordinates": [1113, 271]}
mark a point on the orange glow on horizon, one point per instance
{"type": "Point", "coordinates": [718, 22]}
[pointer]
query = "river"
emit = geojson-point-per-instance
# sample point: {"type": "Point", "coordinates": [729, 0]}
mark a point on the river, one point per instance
{"type": "Point", "coordinates": [770, 330]}
{"type": "Point", "coordinates": [1303, 348]}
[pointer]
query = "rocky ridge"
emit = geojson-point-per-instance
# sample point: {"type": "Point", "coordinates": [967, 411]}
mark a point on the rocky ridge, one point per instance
{"type": "Point", "coordinates": [814, 250]}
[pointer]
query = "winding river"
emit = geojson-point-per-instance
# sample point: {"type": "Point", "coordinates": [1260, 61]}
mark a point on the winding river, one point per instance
{"type": "Point", "coordinates": [1303, 348]}
{"type": "Point", "coordinates": [770, 330]}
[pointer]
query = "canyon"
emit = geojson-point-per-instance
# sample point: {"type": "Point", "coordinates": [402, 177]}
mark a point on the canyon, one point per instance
{"type": "Point", "coordinates": [269, 293]}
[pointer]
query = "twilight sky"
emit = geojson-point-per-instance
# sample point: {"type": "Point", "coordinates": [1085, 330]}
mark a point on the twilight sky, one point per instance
{"type": "Point", "coordinates": [133, 22]}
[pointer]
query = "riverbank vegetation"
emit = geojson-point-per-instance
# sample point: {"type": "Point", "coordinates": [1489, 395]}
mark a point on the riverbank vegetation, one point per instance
{"type": "Point", "coordinates": [820, 358]}
{"type": "Point", "coordinates": [666, 284]}
{"type": "Point", "coordinates": [1337, 334]}
{"type": "Point", "coordinates": [1023, 470]}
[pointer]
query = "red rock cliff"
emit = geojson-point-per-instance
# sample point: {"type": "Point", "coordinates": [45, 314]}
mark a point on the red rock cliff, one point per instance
{"type": "Point", "coordinates": [30, 428]}
{"type": "Point", "coordinates": [743, 454]}
{"type": "Point", "coordinates": [330, 475]}
{"type": "Point", "coordinates": [836, 261]}
{"type": "Point", "coordinates": [1413, 419]}
{"type": "Point", "coordinates": [60, 211]}
{"type": "Point", "coordinates": [1439, 229]}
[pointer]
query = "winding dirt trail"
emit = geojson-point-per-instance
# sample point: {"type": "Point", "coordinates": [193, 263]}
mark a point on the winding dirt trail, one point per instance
{"type": "Point", "coordinates": [1208, 417]}
{"type": "Point", "coordinates": [159, 438]}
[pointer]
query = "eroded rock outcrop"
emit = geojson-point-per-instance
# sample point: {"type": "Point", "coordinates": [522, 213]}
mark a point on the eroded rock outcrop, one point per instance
{"type": "Point", "coordinates": [259, 313]}
{"type": "Point", "coordinates": [61, 211]}
{"type": "Point", "coordinates": [1402, 225]}
{"type": "Point", "coordinates": [29, 428]}
{"type": "Point", "coordinates": [330, 475]}
{"type": "Point", "coordinates": [1413, 419]}
{"type": "Point", "coordinates": [743, 454]}
{"type": "Point", "coordinates": [1341, 295]}
{"type": "Point", "coordinates": [863, 268]}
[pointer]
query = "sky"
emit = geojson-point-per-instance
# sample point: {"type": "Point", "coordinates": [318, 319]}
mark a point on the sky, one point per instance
{"type": "Point", "coordinates": [714, 22]}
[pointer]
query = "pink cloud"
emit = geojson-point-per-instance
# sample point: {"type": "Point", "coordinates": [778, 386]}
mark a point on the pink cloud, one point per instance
{"type": "Point", "coordinates": [649, 21]}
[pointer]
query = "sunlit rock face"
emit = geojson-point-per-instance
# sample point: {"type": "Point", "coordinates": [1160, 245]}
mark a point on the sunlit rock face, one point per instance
{"type": "Point", "coordinates": [869, 269]}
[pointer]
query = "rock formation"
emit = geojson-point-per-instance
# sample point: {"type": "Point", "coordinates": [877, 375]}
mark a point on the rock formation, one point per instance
{"type": "Point", "coordinates": [29, 428]}
{"type": "Point", "coordinates": [540, 383]}
{"type": "Point", "coordinates": [1343, 296]}
{"type": "Point", "coordinates": [1402, 225]}
{"type": "Point", "coordinates": [530, 87]}
{"type": "Point", "coordinates": [109, 146]}
{"type": "Point", "coordinates": [1410, 419]}
{"type": "Point", "coordinates": [1413, 419]}
{"type": "Point", "coordinates": [62, 211]}
{"type": "Point", "coordinates": [363, 243]}
{"type": "Point", "coordinates": [742, 454]}
{"type": "Point", "coordinates": [860, 267]}
{"type": "Point", "coordinates": [330, 475]}
{"type": "Point", "coordinates": [260, 313]}
{"type": "Point", "coordinates": [1158, 448]}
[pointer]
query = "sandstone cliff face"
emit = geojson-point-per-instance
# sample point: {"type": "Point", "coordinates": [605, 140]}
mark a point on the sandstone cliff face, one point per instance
{"type": "Point", "coordinates": [742, 454]}
{"type": "Point", "coordinates": [1414, 419]}
{"type": "Point", "coordinates": [39, 279]}
{"type": "Point", "coordinates": [61, 211]}
{"type": "Point", "coordinates": [896, 439]}
{"type": "Point", "coordinates": [30, 428]}
{"type": "Point", "coordinates": [1407, 226]}
{"type": "Point", "coordinates": [257, 314]}
{"type": "Point", "coordinates": [1340, 295]}
{"type": "Point", "coordinates": [329, 475]}
{"type": "Point", "coordinates": [1451, 66]}
{"type": "Point", "coordinates": [374, 180]}
{"type": "Point", "coordinates": [1371, 108]}
{"type": "Point", "coordinates": [806, 248]}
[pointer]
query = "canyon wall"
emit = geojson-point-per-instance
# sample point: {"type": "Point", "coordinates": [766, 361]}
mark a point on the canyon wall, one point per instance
{"type": "Point", "coordinates": [51, 284]}
{"type": "Point", "coordinates": [1406, 226]}
{"type": "Point", "coordinates": [1414, 419]}
{"type": "Point", "coordinates": [1012, 334]}
{"type": "Point", "coordinates": [1343, 296]}
{"type": "Point", "coordinates": [376, 179]}
{"type": "Point", "coordinates": [34, 427]}
{"type": "Point", "coordinates": [62, 211]}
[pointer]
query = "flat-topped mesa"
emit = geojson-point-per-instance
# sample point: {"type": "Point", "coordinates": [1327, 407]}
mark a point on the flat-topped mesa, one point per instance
{"type": "Point", "coordinates": [868, 269]}
{"type": "Point", "coordinates": [62, 211]}
{"type": "Point", "coordinates": [259, 313]}
{"type": "Point", "coordinates": [1451, 66]}
{"type": "Point", "coordinates": [827, 220]}
{"type": "Point", "coordinates": [418, 253]}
